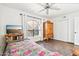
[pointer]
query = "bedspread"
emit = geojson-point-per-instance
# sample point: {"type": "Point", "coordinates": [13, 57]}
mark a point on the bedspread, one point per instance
{"type": "Point", "coordinates": [28, 48]}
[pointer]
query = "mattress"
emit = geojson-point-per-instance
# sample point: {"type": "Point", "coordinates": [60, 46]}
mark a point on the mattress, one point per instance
{"type": "Point", "coordinates": [28, 48]}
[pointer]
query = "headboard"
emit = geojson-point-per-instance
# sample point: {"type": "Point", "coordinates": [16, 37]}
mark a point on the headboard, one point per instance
{"type": "Point", "coordinates": [14, 32]}
{"type": "Point", "coordinates": [13, 29]}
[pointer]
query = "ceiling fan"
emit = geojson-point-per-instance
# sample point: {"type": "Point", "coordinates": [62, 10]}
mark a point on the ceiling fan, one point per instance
{"type": "Point", "coordinates": [48, 6]}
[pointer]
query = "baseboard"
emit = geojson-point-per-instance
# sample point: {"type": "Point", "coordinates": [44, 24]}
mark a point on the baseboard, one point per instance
{"type": "Point", "coordinates": [65, 41]}
{"type": "Point", "coordinates": [76, 43]}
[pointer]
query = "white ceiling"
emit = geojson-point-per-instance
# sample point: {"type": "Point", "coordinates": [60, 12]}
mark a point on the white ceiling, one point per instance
{"type": "Point", "coordinates": [34, 8]}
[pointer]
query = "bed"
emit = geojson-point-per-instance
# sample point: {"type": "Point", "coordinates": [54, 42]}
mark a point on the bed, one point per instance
{"type": "Point", "coordinates": [28, 48]}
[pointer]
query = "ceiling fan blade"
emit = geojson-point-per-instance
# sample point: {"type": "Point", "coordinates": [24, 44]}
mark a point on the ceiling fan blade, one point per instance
{"type": "Point", "coordinates": [47, 4]}
{"type": "Point", "coordinates": [54, 8]}
{"type": "Point", "coordinates": [41, 10]}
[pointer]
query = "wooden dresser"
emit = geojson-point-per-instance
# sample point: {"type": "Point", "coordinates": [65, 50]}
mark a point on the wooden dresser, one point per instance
{"type": "Point", "coordinates": [48, 30]}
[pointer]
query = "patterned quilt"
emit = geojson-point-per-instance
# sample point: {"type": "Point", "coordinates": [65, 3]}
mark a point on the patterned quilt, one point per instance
{"type": "Point", "coordinates": [28, 48]}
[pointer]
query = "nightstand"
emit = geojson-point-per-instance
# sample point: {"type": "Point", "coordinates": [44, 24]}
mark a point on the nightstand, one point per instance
{"type": "Point", "coordinates": [76, 52]}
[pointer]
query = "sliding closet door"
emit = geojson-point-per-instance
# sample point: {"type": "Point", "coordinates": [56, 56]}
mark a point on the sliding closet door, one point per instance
{"type": "Point", "coordinates": [33, 28]}
{"type": "Point", "coordinates": [76, 31]}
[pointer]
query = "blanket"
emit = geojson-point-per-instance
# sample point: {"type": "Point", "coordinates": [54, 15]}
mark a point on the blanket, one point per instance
{"type": "Point", "coordinates": [28, 48]}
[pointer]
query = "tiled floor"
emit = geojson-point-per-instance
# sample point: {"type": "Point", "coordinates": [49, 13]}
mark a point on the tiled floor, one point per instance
{"type": "Point", "coordinates": [59, 46]}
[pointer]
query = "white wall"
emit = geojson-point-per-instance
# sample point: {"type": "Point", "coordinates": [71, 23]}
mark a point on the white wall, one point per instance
{"type": "Point", "coordinates": [9, 16]}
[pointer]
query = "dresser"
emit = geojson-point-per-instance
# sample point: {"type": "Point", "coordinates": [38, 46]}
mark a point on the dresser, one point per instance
{"type": "Point", "coordinates": [48, 30]}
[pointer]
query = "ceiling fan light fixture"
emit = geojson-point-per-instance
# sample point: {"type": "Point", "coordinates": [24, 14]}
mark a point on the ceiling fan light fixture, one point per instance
{"type": "Point", "coordinates": [48, 6]}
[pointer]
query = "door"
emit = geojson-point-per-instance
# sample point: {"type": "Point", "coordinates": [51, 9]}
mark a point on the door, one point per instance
{"type": "Point", "coordinates": [76, 31]}
{"type": "Point", "coordinates": [61, 30]}
{"type": "Point", "coordinates": [64, 30]}
{"type": "Point", "coordinates": [71, 29]}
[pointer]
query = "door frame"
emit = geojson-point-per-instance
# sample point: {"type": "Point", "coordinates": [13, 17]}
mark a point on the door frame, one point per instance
{"type": "Point", "coordinates": [75, 31]}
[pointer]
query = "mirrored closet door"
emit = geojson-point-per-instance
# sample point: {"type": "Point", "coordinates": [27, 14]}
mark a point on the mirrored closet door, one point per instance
{"type": "Point", "coordinates": [33, 28]}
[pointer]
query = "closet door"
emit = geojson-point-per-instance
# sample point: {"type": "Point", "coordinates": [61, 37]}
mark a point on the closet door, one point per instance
{"type": "Point", "coordinates": [76, 31]}
{"type": "Point", "coordinates": [71, 29]}
{"type": "Point", "coordinates": [33, 29]}
{"type": "Point", "coordinates": [61, 30]}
